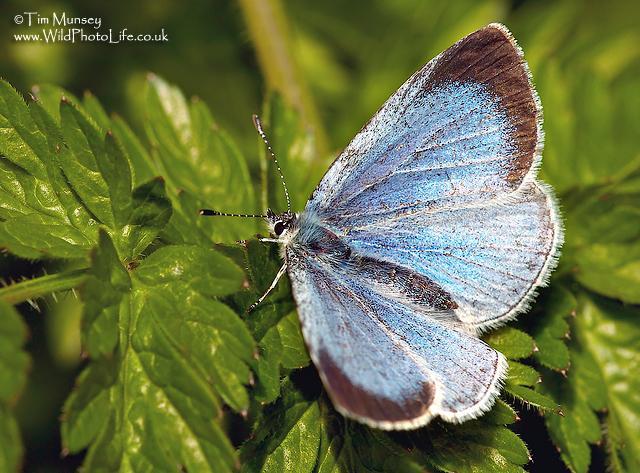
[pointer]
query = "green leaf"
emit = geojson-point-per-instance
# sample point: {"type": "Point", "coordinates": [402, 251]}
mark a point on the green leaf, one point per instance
{"type": "Point", "coordinates": [67, 179]}
{"type": "Point", "coordinates": [50, 95]}
{"type": "Point", "coordinates": [103, 292]}
{"type": "Point", "coordinates": [97, 169]}
{"type": "Point", "coordinates": [470, 447]}
{"type": "Point", "coordinates": [511, 342]}
{"type": "Point", "coordinates": [94, 110]}
{"type": "Point", "coordinates": [604, 247]}
{"type": "Point", "coordinates": [36, 236]}
{"type": "Point", "coordinates": [336, 455]}
{"type": "Point", "coordinates": [604, 344]}
{"type": "Point", "coordinates": [89, 405]}
{"type": "Point", "coordinates": [14, 363]}
{"type": "Point", "coordinates": [293, 445]}
{"type": "Point", "coordinates": [40, 216]}
{"type": "Point", "coordinates": [579, 426]}
{"type": "Point", "coordinates": [611, 335]}
{"type": "Point", "coordinates": [22, 143]}
{"type": "Point", "coordinates": [57, 184]}
{"type": "Point", "coordinates": [205, 271]}
{"type": "Point", "coordinates": [205, 323]}
{"type": "Point", "coordinates": [347, 447]}
{"type": "Point", "coordinates": [187, 226]}
{"type": "Point", "coordinates": [532, 398]}
{"type": "Point", "coordinates": [151, 214]}
{"type": "Point", "coordinates": [294, 351]}
{"type": "Point", "coordinates": [165, 356]}
{"type": "Point", "coordinates": [551, 330]}
{"type": "Point", "coordinates": [281, 346]}
{"type": "Point", "coordinates": [501, 413]}
{"type": "Point", "coordinates": [595, 139]}
{"type": "Point", "coordinates": [522, 375]}
{"type": "Point", "coordinates": [274, 323]}
{"type": "Point", "coordinates": [142, 167]}
{"type": "Point", "coordinates": [612, 270]}
{"type": "Point", "coordinates": [294, 147]}
{"type": "Point", "coordinates": [198, 157]}
{"type": "Point", "coordinates": [11, 450]}
{"type": "Point", "coordinates": [77, 214]}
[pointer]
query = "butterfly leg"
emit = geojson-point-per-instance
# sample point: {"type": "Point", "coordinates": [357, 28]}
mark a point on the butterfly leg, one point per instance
{"type": "Point", "coordinates": [273, 285]}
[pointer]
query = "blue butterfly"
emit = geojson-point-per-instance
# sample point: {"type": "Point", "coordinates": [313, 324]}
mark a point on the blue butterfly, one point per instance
{"type": "Point", "coordinates": [430, 228]}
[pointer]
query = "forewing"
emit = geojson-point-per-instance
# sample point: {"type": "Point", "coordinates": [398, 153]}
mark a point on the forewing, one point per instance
{"type": "Point", "coordinates": [490, 258]}
{"type": "Point", "coordinates": [383, 362]}
{"type": "Point", "coordinates": [463, 129]}
{"type": "Point", "coordinates": [442, 181]}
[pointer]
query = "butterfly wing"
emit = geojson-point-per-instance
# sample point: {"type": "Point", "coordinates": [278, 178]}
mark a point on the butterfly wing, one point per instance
{"type": "Point", "coordinates": [464, 128]}
{"type": "Point", "coordinates": [442, 180]}
{"type": "Point", "coordinates": [489, 257]}
{"type": "Point", "coordinates": [382, 360]}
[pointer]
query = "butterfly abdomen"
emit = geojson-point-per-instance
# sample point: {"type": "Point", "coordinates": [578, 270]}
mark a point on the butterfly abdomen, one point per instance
{"type": "Point", "coordinates": [418, 289]}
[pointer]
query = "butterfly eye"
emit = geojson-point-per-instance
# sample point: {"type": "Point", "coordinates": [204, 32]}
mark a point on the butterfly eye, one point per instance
{"type": "Point", "coordinates": [278, 228]}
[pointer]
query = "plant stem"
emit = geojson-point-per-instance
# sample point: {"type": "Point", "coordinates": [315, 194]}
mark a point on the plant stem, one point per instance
{"type": "Point", "coordinates": [38, 287]}
{"type": "Point", "coordinates": [267, 24]}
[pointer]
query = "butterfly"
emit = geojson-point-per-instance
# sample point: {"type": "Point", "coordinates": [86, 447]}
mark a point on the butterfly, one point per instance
{"type": "Point", "coordinates": [428, 229]}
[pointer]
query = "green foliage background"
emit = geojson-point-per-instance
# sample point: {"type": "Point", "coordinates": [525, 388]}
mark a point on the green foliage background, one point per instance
{"type": "Point", "coordinates": [156, 366]}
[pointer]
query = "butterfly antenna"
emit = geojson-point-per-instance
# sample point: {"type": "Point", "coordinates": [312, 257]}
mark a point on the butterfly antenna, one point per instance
{"type": "Point", "coordinates": [258, 124]}
{"type": "Point", "coordinates": [215, 213]}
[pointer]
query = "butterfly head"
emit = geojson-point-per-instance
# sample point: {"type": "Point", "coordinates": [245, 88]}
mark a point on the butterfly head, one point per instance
{"type": "Point", "coordinates": [280, 225]}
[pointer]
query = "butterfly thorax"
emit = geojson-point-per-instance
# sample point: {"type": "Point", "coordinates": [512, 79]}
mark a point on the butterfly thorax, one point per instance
{"type": "Point", "coordinates": [313, 239]}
